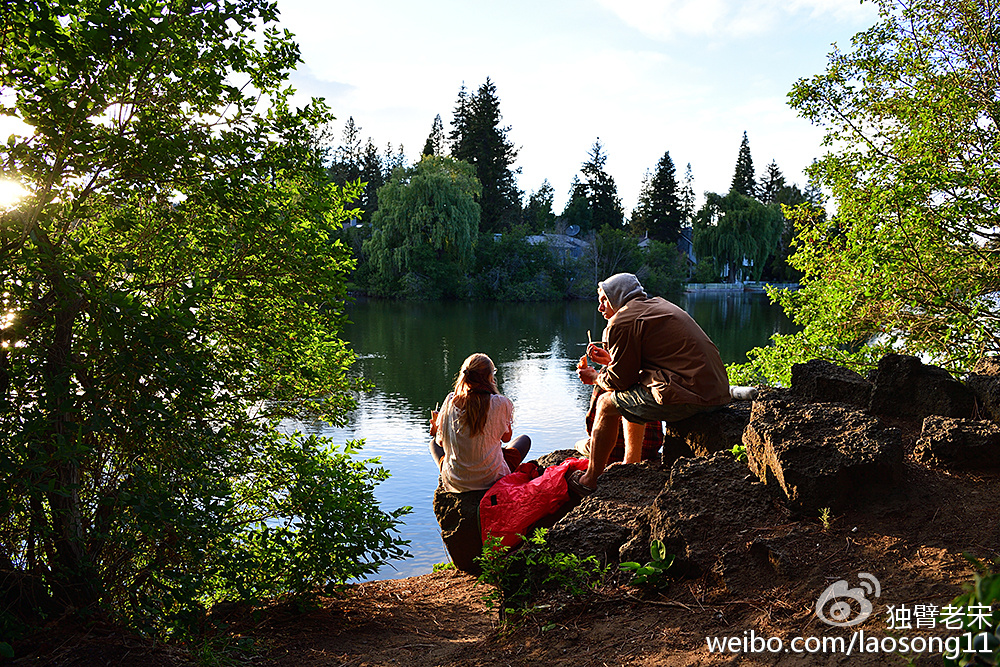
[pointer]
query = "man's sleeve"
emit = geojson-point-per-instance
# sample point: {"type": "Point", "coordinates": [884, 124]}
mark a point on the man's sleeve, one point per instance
{"type": "Point", "coordinates": [626, 355]}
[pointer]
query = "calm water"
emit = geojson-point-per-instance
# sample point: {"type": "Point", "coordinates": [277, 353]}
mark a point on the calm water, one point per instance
{"type": "Point", "coordinates": [411, 352]}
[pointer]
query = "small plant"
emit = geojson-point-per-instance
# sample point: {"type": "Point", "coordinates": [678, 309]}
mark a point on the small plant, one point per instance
{"type": "Point", "coordinates": [443, 566]}
{"type": "Point", "coordinates": [518, 575]}
{"type": "Point", "coordinates": [652, 573]}
{"type": "Point", "coordinates": [739, 452]}
{"type": "Point", "coordinates": [824, 517]}
{"type": "Point", "coordinates": [980, 618]}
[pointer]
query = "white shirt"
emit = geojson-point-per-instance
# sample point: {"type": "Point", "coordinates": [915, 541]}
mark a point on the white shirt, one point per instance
{"type": "Point", "coordinates": [473, 463]}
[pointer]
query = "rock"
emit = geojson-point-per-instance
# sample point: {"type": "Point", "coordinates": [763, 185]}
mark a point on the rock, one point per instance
{"type": "Point", "coordinates": [820, 455]}
{"type": "Point", "coordinates": [821, 381]}
{"type": "Point", "coordinates": [958, 443]}
{"type": "Point", "coordinates": [706, 433]}
{"type": "Point", "coordinates": [984, 382]}
{"type": "Point", "coordinates": [903, 386]}
{"type": "Point", "coordinates": [707, 504]}
{"type": "Point", "coordinates": [458, 518]}
{"type": "Point", "coordinates": [605, 519]}
{"type": "Point", "coordinates": [557, 457]}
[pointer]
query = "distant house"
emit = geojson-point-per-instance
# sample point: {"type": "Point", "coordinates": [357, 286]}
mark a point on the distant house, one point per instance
{"type": "Point", "coordinates": [685, 245]}
{"type": "Point", "coordinates": [562, 245]}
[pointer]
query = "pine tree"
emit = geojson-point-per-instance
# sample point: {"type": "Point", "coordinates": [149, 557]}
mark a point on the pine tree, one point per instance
{"type": "Point", "coordinates": [601, 191]}
{"type": "Point", "coordinates": [743, 178]}
{"type": "Point", "coordinates": [538, 215]}
{"type": "Point", "coordinates": [477, 137]}
{"type": "Point", "coordinates": [435, 144]}
{"type": "Point", "coordinates": [771, 183]}
{"type": "Point", "coordinates": [687, 197]}
{"type": "Point", "coordinates": [660, 203]}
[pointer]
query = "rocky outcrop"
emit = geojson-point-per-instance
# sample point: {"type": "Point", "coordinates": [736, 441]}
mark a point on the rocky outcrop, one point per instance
{"type": "Point", "coordinates": [903, 386]}
{"type": "Point", "coordinates": [706, 433]}
{"type": "Point", "coordinates": [946, 442]}
{"type": "Point", "coordinates": [823, 382]}
{"type": "Point", "coordinates": [707, 504]}
{"type": "Point", "coordinates": [607, 518]}
{"type": "Point", "coordinates": [820, 455]}
{"type": "Point", "coordinates": [984, 382]}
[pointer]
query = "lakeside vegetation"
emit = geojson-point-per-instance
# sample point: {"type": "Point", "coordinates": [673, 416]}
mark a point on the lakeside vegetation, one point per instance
{"type": "Point", "coordinates": [174, 282]}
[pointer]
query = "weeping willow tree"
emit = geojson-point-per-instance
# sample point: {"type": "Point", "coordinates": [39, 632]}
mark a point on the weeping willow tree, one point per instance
{"type": "Point", "coordinates": [424, 233]}
{"type": "Point", "coordinates": [738, 231]}
{"type": "Point", "coordinates": [910, 262]}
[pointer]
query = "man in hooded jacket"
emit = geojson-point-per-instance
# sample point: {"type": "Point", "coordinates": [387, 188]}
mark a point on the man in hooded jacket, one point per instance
{"type": "Point", "coordinates": [659, 366]}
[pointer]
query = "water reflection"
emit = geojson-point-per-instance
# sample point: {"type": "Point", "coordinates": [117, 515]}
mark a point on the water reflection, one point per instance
{"type": "Point", "coordinates": [411, 353]}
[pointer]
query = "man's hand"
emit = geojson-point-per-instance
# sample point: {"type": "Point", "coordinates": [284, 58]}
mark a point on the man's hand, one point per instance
{"type": "Point", "coordinates": [588, 374]}
{"type": "Point", "coordinates": [599, 354]}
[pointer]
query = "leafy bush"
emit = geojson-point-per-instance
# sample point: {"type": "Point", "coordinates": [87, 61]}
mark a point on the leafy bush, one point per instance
{"type": "Point", "coordinates": [653, 573]}
{"type": "Point", "coordinates": [518, 575]}
{"type": "Point", "coordinates": [978, 609]}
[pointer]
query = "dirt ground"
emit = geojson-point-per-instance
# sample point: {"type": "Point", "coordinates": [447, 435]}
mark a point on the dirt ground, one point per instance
{"type": "Point", "coordinates": [911, 539]}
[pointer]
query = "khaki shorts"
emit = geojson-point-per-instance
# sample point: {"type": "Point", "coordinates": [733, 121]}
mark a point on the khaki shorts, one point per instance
{"type": "Point", "coordinates": [639, 406]}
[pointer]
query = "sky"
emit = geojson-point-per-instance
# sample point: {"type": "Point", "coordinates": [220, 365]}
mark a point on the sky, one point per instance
{"type": "Point", "coordinates": [643, 76]}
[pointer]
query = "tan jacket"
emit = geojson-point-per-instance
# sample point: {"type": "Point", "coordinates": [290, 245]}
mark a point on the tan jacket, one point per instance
{"type": "Point", "coordinates": [655, 342]}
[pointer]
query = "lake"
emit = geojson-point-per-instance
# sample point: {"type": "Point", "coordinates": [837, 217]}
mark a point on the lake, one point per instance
{"type": "Point", "coordinates": [411, 353]}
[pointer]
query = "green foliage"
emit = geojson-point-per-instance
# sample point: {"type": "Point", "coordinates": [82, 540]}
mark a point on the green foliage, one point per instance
{"type": "Point", "coordinates": [600, 190]}
{"type": "Point", "coordinates": [910, 261]}
{"type": "Point", "coordinates": [737, 228]}
{"type": "Point", "coordinates": [538, 216]}
{"type": "Point", "coordinates": [743, 176]}
{"type": "Point", "coordinates": [614, 251]}
{"type": "Point", "coordinates": [824, 517]}
{"type": "Point", "coordinates": [511, 269]}
{"type": "Point", "coordinates": [439, 567]}
{"type": "Point", "coordinates": [659, 211]}
{"type": "Point", "coordinates": [518, 575]}
{"type": "Point", "coordinates": [478, 138]}
{"type": "Point", "coordinates": [424, 233]}
{"type": "Point", "coordinates": [663, 270]}
{"type": "Point", "coordinates": [978, 609]}
{"type": "Point", "coordinates": [739, 452]}
{"type": "Point", "coordinates": [653, 573]}
{"type": "Point", "coordinates": [172, 289]}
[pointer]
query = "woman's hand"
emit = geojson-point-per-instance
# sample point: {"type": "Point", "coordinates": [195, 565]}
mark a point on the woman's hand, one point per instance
{"type": "Point", "coordinates": [434, 422]}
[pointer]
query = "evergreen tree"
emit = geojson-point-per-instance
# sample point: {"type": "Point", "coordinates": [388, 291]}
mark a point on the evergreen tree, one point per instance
{"type": "Point", "coordinates": [771, 183]}
{"type": "Point", "coordinates": [538, 215]}
{"type": "Point", "coordinates": [477, 137]}
{"type": "Point", "coordinates": [435, 144]}
{"type": "Point", "coordinates": [659, 207]}
{"type": "Point", "coordinates": [601, 191]}
{"type": "Point", "coordinates": [743, 178]}
{"type": "Point", "coordinates": [687, 197]}
{"type": "Point", "coordinates": [577, 211]}
{"type": "Point", "coordinates": [639, 222]}
{"type": "Point", "coordinates": [352, 163]}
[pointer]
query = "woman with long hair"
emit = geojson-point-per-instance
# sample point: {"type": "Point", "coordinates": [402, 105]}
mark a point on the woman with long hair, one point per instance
{"type": "Point", "coordinates": [470, 429]}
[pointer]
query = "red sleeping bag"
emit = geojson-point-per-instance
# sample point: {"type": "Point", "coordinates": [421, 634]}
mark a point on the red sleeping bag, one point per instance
{"type": "Point", "coordinates": [522, 498]}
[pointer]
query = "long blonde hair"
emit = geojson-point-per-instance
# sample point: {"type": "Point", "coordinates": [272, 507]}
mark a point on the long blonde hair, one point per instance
{"type": "Point", "coordinates": [474, 387]}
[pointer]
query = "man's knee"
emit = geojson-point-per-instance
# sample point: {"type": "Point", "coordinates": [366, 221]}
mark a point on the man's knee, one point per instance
{"type": "Point", "coordinates": [606, 405]}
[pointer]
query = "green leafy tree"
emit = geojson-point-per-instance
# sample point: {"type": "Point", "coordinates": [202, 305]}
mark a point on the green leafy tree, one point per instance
{"type": "Point", "coordinates": [739, 232]}
{"type": "Point", "coordinates": [538, 215]}
{"type": "Point", "coordinates": [743, 177]}
{"type": "Point", "coordinates": [659, 211]}
{"type": "Point", "coordinates": [351, 163]}
{"type": "Point", "coordinates": [436, 142]}
{"type": "Point", "coordinates": [577, 210]}
{"type": "Point", "coordinates": [425, 230]}
{"type": "Point", "coordinates": [686, 196]}
{"type": "Point", "coordinates": [911, 259]}
{"type": "Point", "coordinates": [771, 183]}
{"type": "Point", "coordinates": [170, 291]}
{"type": "Point", "coordinates": [601, 190]}
{"type": "Point", "coordinates": [478, 138]}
